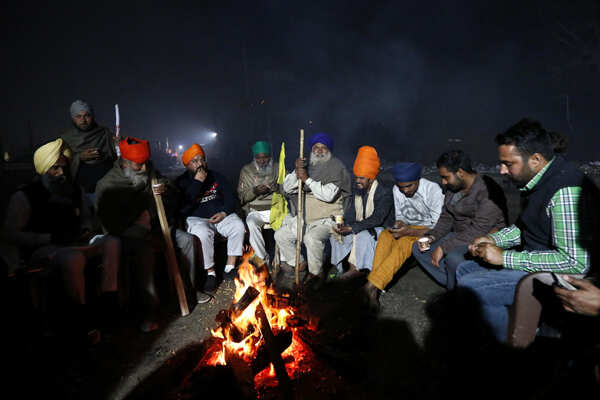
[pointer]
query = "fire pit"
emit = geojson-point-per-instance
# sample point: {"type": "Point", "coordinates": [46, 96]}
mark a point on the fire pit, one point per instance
{"type": "Point", "coordinates": [266, 345]}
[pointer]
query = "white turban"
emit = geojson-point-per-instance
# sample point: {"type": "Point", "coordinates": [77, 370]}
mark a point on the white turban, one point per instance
{"type": "Point", "coordinates": [47, 155]}
{"type": "Point", "coordinates": [78, 106]}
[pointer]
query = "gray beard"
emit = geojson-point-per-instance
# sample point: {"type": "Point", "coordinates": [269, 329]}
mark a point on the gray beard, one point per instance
{"type": "Point", "coordinates": [139, 179]}
{"type": "Point", "coordinates": [315, 159]}
{"type": "Point", "coordinates": [267, 170]}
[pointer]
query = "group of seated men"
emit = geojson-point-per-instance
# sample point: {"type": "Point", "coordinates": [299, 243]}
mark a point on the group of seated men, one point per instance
{"type": "Point", "coordinates": [89, 206]}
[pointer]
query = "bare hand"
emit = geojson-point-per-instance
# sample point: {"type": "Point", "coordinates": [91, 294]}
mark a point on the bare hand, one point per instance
{"type": "Point", "coordinates": [262, 189]}
{"type": "Point", "coordinates": [481, 239]}
{"type": "Point", "coordinates": [398, 232]}
{"type": "Point", "coordinates": [436, 256]}
{"type": "Point", "coordinates": [200, 174]}
{"type": "Point", "coordinates": [585, 300]}
{"type": "Point", "coordinates": [400, 224]}
{"type": "Point", "coordinates": [343, 229]}
{"type": "Point", "coordinates": [490, 253]}
{"type": "Point", "coordinates": [159, 189]}
{"type": "Point", "coordinates": [218, 217]}
{"type": "Point", "coordinates": [89, 154]}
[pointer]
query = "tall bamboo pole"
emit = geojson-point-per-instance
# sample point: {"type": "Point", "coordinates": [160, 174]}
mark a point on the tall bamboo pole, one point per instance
{"type": "Point", "coordinates": [299, 216]}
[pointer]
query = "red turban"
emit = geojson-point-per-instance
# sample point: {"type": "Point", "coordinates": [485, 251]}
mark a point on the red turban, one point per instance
{"type": "Point", "coordinates": [134, 149]}
{"type": "Point", "coordinates": [367, 162]}
{"type": "Point", "coordinates": [192, 152]}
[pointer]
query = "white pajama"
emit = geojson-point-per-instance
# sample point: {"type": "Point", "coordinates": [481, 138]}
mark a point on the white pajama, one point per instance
{"type": "Point", "coordinates": [316, 234]}
{"type": "Point", "coordinates": [255, 221]}
{"type": "Point", "coordinates": [231, 227]}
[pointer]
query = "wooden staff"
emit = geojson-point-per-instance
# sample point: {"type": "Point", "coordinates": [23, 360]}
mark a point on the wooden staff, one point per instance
{"type": "Point", "coordinates": [299, 219]}
{"type": "Point", "coordinates": [170, 252]}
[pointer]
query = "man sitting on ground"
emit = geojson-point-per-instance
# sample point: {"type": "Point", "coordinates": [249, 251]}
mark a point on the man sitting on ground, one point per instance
{"type": "Point", "coordinates": [208, 208]}
{"type": "Point", "coordinates": [369, 211]}
{"type": "Point", "coordinates": [258, 180]}
{"type": "Point", "coordinates": [327, 187]}
{"type": "Point", "coordinates": [418, 203]}
{"type": "Point", "coordinates": [126, 208]}
{"type": "Point", "coordinates": [45, 217]}
{"type": "Point", "coordinates": [474, 205]}
{"type": "Point", "coordinates": [552, 233]}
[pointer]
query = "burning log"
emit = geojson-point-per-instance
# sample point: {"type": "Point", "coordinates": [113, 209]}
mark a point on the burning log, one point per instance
{"type": "Point", "coordinates": [271, 345]}
{"type": "Point", "coordinates": [225, 317]}
{"type": "Point", "coordinates": [282, 340]}
{"type": "Point", "coordinates": [249, 295]}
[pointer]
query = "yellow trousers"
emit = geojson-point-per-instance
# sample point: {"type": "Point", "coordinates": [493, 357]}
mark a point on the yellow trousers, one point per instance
{"type": "Point", "coordinates": [390, 255]}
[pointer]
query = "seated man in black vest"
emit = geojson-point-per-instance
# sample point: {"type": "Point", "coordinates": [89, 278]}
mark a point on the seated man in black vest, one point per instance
{"type": "Point", "coordinates": [550, 235]}
{"type": "Point", "coordinates": [44, 220]}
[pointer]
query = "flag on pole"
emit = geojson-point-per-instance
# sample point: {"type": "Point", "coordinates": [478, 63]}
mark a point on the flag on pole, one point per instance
{"type": "Point", "coordinates": [279, 203]}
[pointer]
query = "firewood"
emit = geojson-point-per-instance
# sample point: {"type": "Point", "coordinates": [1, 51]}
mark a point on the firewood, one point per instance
{"type": "Point", "coordinates": [249, 295]}
{"type": "Point", "coordinates": [272, 349]}
{"type": "Point", "coordinates": [262, 360]}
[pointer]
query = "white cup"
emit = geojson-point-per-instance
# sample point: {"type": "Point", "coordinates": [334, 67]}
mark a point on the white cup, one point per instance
{"type": "Point", "coordinates": [424, 243]}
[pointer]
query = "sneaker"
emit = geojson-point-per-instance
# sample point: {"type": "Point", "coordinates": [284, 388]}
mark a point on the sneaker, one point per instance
{"type": "Point", "coordinates": [229, 276]}
{"type": "Point", "coordinates": [202, 297]}
{"type": "Point", "coordinates": [210, 286]}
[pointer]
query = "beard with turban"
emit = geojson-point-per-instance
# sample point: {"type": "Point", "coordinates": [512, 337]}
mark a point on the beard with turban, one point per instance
{"type": "Point", "coordinates": [47, 155]}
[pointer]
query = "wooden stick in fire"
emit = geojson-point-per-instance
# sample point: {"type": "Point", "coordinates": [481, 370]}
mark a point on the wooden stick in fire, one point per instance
{"type": "Point", "coordinates": [170, 253]}
{"type": "Point", "coordinates": [299, 219]}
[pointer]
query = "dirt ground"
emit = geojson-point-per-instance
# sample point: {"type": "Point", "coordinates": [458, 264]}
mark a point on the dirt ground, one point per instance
{"type": "Point", "coordinates": [421, 345]}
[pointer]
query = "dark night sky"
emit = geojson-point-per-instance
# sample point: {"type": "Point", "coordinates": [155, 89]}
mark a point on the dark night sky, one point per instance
{"type": "Point", "coordinates": [402, 76]}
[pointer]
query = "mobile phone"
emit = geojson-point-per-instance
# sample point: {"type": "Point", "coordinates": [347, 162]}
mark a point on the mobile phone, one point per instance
{"type": "Point", "coordinates": [561, 282]}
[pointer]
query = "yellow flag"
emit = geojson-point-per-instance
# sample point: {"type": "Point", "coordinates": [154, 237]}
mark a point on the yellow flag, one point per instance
{"type": "Point", "coordinates": [279, 203]}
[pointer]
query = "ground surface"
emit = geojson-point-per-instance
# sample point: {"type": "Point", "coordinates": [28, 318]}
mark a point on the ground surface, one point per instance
{"type": "Point", "coordinates": [418, 346]}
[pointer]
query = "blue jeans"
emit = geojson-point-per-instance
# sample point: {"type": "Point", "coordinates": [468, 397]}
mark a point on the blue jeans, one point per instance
{"type": "Point", "coordinates": [495, 290]}
{"type": "Point", "coordinates": [445, 275]}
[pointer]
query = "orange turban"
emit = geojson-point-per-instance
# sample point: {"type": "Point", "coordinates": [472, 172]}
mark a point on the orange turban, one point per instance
{"type": "Point", "coordinates": [192, 152]}
{"type": "Point", "coordinates": [134, 149]}
{"type": "Point", "coordinates": [367, 162]}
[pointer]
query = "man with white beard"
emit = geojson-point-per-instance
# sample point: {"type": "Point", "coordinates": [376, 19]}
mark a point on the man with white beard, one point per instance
{"type": "Point", "coordinates": [327, 188]}
{"type": "Point", "coordinates": [45, 219]}
{"type": "Point", "coordinates": [126, 208]}
{"type": "Point", "coordinates": [257, 182]}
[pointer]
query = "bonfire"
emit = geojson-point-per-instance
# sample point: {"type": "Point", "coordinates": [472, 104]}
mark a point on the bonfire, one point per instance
{"type": "Point", "coordinates": [258, 334]}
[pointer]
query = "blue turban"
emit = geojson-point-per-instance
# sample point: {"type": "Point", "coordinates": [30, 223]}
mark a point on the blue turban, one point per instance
{"type": "Point", "coordinates": [323, 138]}
{"type": "Point", "coordinates": [406, 172]}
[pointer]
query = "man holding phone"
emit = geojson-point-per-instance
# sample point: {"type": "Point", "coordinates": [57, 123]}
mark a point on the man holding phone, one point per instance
{"type": "Point", "coordinates": [93, 148]}
{"type": "Point", "coordinates": [554, 232]}
{"type": "Point", "coordinates": [418, 203]}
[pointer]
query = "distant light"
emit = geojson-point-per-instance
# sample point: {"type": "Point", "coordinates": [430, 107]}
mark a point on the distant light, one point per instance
{"type": "Point", "coordinates": [213, 134]}
{"type": "Point", "coordinates": [180, 147]}
{"type": "Point", "coordinates": [6, 156]}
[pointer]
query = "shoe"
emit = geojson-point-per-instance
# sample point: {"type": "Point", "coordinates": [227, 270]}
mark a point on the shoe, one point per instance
{"type": "Point", "coordinates": [285, 267]}
{"type": "Point", "coordinates": [371, 297]}
{"type": "Point", "coordinates": [229, 276]}
{"type": "Point", "coordinates": [148, 326]}
{"type": "Point", "coordinates": [350, 274]}
{"type": "Point", "coordinates": [313, 282]}
{"type": "Point", "coordinates": [210, 286]}
{"type": "Point", "coordinates": [202, 297]}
